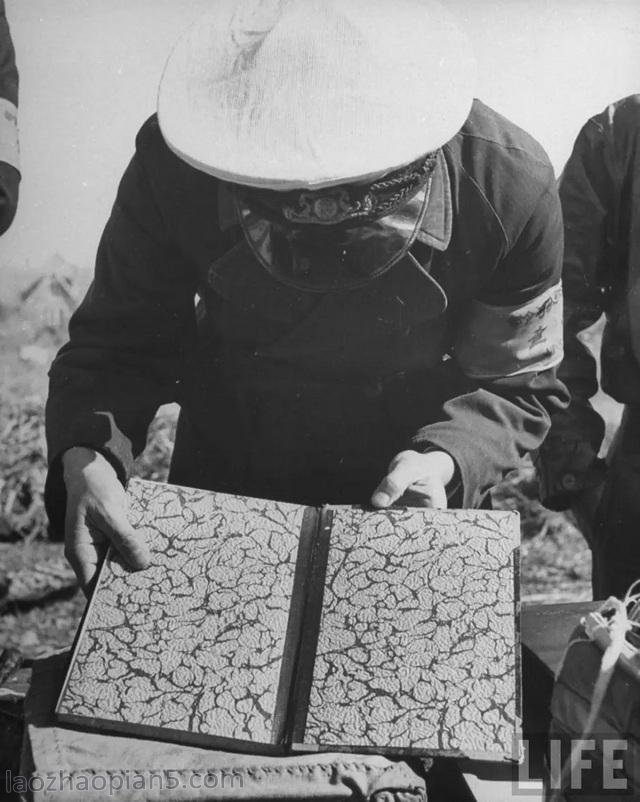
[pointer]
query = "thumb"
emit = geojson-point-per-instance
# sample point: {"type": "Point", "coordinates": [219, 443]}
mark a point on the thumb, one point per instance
{"type": "Point", "coordinates": [403, 472]}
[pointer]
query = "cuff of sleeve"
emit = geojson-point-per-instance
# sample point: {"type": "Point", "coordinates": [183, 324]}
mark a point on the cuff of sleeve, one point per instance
{"type": "Point", "coordinates": [567, 460]}
{"type": "Point", "coordinates": [559, 488]}
{"type": "Point", "coordinates": [468, 488]}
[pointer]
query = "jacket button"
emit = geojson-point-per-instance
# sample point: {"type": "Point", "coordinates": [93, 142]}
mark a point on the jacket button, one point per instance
{"type": "Point", "coordinates": [569, 481]}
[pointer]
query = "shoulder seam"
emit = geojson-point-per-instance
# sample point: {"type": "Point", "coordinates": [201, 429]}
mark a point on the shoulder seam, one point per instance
{"type": "Point", "coordinates": [503, 146]}
{"type": "Point", "coordinates": [596, 123]}
{"type": "Point", "coordinates": [544, 191]}
{"type": "Point", "coordinates": [488, 202]}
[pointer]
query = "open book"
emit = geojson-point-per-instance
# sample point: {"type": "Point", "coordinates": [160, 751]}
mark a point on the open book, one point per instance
{"type": "Point", "coordinates": [267, 627]}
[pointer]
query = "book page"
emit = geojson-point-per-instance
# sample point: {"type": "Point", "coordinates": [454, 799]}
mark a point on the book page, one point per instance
{"type": "Point", "coordinates": [194, 643]}
{"type": "Point", "coordinates": [417, 643]}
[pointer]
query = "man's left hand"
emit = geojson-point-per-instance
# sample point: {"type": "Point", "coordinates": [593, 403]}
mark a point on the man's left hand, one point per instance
{"type": "Point", "coordinates": [416, 480]}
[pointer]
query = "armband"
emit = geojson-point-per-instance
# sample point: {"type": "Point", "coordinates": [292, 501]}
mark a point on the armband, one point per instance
{"type": "Point", "coordinates": [502, 341]}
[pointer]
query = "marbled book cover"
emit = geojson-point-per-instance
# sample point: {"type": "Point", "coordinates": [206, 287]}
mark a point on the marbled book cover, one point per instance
{"type": "Point", "coordinates": [192, 647]}
{"type": "Point", "coordinates": [416, 643]}
{"type": "Point", "coordinates": [260, 624]}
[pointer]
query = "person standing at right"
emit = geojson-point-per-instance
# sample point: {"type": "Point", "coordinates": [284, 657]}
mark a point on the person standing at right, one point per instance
{"type": "Point", "coordinates": [600, 197]}
{"type": "Point", "coordinates": [9, 166]}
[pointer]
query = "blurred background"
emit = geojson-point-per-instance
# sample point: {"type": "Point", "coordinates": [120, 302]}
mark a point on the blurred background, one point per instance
{"type": "Point", "coordinates": [89, 71]}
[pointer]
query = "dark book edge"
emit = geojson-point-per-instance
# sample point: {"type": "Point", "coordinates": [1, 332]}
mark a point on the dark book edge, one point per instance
{"type": "Point", "coordinates": [168, 734]}
{"type": "Point", "coordinates": [80, 633]}
{"type": "Point", "coordinates": [517, 609]}
{"type": "Point", "coordinates": [517, 753]}
{"type": "Point", "coordinates": [496, 758]}
{"type": "Point", "coordinates": [312, 613]}
{"type": "Point", "coordinates": [291, 648]}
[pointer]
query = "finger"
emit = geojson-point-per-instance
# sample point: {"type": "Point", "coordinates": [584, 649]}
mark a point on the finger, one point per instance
{"type": "Point", "coordinates": [83, 551]}
{"type": "Point", "coordinates": [131, 545]}
{"type": "Point", "coordinates": [403, 473]}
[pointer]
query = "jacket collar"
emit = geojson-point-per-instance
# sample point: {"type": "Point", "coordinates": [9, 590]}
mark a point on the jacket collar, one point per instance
{"type": "Point", "coordinates": [435, 230]}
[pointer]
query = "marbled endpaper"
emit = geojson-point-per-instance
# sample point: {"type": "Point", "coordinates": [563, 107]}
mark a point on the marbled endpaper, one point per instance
{"type": "Point", "coordinates": [418, 635]}
{"type": "Point", "coordinates": [194, 643]}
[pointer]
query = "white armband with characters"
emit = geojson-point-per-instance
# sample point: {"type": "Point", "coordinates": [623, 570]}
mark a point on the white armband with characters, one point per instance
{"type": "Point", "coordinates": [501, 341]}
{"type": "Point", "coordinates": [9, 151]}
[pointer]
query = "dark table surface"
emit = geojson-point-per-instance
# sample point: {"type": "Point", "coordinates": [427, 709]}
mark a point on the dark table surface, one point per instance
{"type": "Point", "coordinates": [545, 629]}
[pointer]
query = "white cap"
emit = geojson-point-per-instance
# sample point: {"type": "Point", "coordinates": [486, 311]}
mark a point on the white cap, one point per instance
{"type": "Point", "coordinates": [291, 94]}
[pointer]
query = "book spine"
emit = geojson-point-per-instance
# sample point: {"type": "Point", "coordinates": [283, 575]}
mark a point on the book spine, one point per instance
{"type": "Point", "coordinates": [301, 690]}
{"type": "Point", "coordinates": [308, 534]}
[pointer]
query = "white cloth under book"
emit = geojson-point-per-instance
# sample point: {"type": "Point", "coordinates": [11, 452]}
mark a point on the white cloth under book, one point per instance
{"type": "Point", "coordinates": [65, 764]}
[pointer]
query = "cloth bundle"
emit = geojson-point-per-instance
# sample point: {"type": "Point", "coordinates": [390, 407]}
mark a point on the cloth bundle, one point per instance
{"type": "Point", "coordinates": [608, 764]}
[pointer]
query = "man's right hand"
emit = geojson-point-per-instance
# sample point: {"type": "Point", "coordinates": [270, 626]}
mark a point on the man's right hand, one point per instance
{"type": "Point", "coordinates": [96, 515]}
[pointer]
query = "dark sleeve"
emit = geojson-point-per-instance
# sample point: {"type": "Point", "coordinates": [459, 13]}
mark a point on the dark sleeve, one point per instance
{"type": "Point", "coordinates": [9, 157]}
{"type": "Point", "coordinates": [9, 187]}
{"type": "Point", "coordinates": [567, 462]}
{"type": "Point", "coordinates": [507, 351]}
{"type": "Point", "coordinates": [124, 357]}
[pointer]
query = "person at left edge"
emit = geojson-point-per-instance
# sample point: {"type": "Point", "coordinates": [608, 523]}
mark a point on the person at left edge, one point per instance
{"type": "Point", "coordinates": [9, 164]}
{"type": "Point", "coordinates": [379, 312]}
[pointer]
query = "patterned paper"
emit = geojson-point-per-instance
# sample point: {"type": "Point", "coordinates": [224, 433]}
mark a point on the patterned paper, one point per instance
{"type": "Point", "coordinates": [194, 642]}
{"type": "Point", "coordinates": [417, 645]}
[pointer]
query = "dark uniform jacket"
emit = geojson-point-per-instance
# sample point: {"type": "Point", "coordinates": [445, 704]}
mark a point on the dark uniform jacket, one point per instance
{"type": "Point", "coordinates": [307, 396]}
{"type": "Point", "coordinates": [9, 175]}
{"type": "Point", "coordinates": [600, 195]}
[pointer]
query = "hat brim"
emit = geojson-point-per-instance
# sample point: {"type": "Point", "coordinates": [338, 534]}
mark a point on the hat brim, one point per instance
{"type": "Point", "coordinates": [317, 94]}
